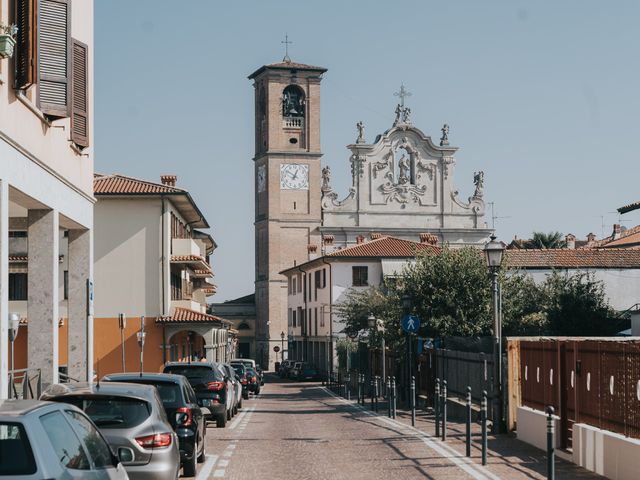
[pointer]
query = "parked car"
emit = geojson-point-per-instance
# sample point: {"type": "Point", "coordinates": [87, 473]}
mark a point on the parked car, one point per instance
{"type": "Point", "coordinates": [182, 409]}
{"type": "Point", "coordinates": [53, 440]}
{"type": "Point", "coordinates": [237, 387]}
{"type": "Point", "coordinates": [253, 383]}
{"type": "Point", "coordinates": [132, 420]}
{"type": "Point", "coordinates": [293, 371]}
{"type": "Point", "coordinates": [260, 373]}
{"type": "Point", "coordinates": [247, 362]}
{"type": "Point", "coordinates": [308, 373]}
{"type": "Point", "coordinates": [211, 385]}
{"type": "Point", "coordinates": [284, 368]}
{"type": "Point", "coordinates": [241, 372]}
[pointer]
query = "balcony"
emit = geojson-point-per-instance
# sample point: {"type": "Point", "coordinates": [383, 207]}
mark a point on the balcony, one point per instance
{"type": "Point", "coordinates": [293, 122]}
{"type": "Point", "coordinates": [187, 246]}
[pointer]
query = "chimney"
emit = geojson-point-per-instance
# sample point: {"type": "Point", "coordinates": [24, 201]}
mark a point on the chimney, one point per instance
{"type": "Point", "coordinates": [328, 239]}
{"type": "Point", "coordinates": [591, 237]}
{"type": "Point", "coordinates": [168, 180]}
{"type": "Point", "coordinates": [570, 240]}
{"type": "Point", "coordinates": [616, 231]}
{"type": "Point", "coordinates": [375, 235]}
{"type": "Point", "coordinates": [429, 238]}
{"type": "Point", "coordinates": [313, 251]}
{"type": "Point", "coordinates": [359, 239]}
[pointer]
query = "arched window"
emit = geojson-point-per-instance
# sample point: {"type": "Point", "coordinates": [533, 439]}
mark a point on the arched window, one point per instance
{"type": "Point", "coordinates": [293, 102]}
{"type": "Point", "coordinates": [244, 326]}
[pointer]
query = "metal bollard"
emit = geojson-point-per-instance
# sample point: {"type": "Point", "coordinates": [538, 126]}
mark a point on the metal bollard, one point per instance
{"type": "Point", "coordinates": [393, 394]}
{"type": "Point", "coordinates": [413, 401]}
{"type": "Point", "coordinates": [444, 410]}
{"type": "Point", "coordinates": [362, 381]}
{"type": "Point", "coordinates": [551, 447]}
{"type": "Point", "coordinates": [348, 386]}
{"type": "Point", "coordinates": [389, 396]}
{"type": "Point", "coordinates": [371, 392]}
{"type": "Point", "coordinates": [468, 432]}
{"type": "Point", "coordinates": [436, 407]}
{"type": "Point", "coordinates": [483, 416]}
{"type": "Point", "coordinates": [377, 390]}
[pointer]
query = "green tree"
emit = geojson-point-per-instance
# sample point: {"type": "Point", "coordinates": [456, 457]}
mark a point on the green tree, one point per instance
{"type": "Point", "coordinates": [543, 240]}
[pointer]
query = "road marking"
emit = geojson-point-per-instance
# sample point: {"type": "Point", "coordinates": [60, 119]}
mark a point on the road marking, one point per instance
{"type": "Point", "coordinates": [223, 463]}
{"type": "Point", "coordinates": [205, 471]}
{"type": "Point", "coordinates": [444, 450]}
{"type": "Point", "coordinates": [219, 473]}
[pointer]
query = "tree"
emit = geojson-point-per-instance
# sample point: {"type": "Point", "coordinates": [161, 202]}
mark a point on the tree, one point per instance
{"type": "Point", "coordinates": [543, 240]}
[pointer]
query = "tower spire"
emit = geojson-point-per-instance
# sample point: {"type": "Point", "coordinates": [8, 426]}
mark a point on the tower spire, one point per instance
{"type": "Point", "coordinates": [286, 42]}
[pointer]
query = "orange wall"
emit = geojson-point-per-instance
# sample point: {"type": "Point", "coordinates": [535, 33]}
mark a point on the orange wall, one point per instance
{"type": "Point", "coordinates": [21, 346]}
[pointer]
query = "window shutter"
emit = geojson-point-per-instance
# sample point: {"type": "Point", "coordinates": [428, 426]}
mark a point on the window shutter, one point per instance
{"type": "Point", "coordinates": [25, 64]}
{"type": "Point", "coordinates": [80, 94]}
{"type": "Point", "coordinates": [54, 39]}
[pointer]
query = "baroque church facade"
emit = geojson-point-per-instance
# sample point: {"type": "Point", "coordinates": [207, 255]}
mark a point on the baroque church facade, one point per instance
{"type": "Point", "coordinates": [402, 186]}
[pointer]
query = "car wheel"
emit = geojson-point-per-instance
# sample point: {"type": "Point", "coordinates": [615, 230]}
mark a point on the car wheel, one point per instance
{"type": "Point", "coordinates": [235, 409]}
{"type": "Point", "coordinates": [245, 395]}
{"type": "Point", "coordinates": [221, 421]}
{"type": "Point", "coordinates": [240, 404]}
{"type": "Point", "coordinates": [258, 391]}
{"type": "Point", "coordinates": [229, 414]}
{"type": "Point", "coordinates": [203, 453]}
{"type": "Point", "coordinates": [189, 465]}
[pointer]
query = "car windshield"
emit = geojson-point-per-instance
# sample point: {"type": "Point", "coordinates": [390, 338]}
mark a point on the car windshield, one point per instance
{"type": "Point", "coordinates": [111, 411]}
{"type": "Point", "coordinates": [239, 369]}
{"type": "Point", "coordinates": [169, 392]}
{"type": "Point", "coordinates": [16, 457]}
{"type": "Point", "coordinates": [196, 373]}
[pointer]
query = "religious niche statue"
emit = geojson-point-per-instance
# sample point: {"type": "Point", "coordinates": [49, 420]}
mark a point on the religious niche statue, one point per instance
{"type": "Point", "coordinates": [403, 170]}
{"type": "Point", "coordinates": [444, 140]}
{"type": "Point", "coordinates": [360, 127]}
{"type": "Point", "coordinates": [478, 181]}
{"type": "Point", "coordinates": [326, 179]}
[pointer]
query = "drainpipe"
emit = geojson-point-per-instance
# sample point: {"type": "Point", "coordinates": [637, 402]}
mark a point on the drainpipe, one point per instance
{"type": "Point", "coordinates": [330, 316]}
{"type": "Point", "coordinates": [304, 296]}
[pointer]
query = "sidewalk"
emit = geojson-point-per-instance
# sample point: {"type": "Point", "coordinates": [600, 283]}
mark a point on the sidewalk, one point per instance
{"type": "Point", "coordinates": [507, 457]}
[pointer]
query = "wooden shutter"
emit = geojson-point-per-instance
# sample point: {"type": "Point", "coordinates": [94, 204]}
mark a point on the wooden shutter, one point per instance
{"type": "Point", "coordinates": [25, 63]}
{"type": "Point", "coordinates": [80, 94]}
{"type": "Point", "coordinates": [54, 42]}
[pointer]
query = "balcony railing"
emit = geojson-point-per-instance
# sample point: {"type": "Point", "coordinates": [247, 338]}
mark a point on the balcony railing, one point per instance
{"type": "Point", "coordinates": [293, 122]}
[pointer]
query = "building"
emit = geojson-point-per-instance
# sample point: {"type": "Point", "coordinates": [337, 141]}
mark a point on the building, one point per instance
{"type": "Point", "coordinates": [241, 313]}
{"type": "Point", "coordinates": [402, 186]}
{"type": "Point", "coordinates": [46, 187]}
{"type": "Point", "coordinates": [317, 286]}
{"type": "Point", "coordinates": [153, 261]}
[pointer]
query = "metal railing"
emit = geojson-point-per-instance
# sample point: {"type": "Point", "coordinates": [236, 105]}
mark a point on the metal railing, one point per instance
{"type": "Point", "coordinates": [293, 122]}
{"type": "Point", "coordinates": [25, 383]}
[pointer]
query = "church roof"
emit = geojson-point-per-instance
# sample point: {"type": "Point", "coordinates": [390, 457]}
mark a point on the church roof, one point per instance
{"type": "Point", "coordinates": [387, 247]}
{"type": "Point", "coordinates": [568, 258]}
{"type": "Point", "coordinates": [287, 66]}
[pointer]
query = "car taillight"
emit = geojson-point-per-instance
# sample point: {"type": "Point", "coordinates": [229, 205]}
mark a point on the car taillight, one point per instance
{"type": "Point", "coordinates": [244, 379]}
{"type": "Point", "coordinates": [184, 416]}
{"type": "Point", "coordinates": [215, 385]}
{"type": "Point", "coordinates": [158, 440]}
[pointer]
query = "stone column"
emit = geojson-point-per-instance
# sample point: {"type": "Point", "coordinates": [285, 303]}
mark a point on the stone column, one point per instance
{"type": "Point", "coordinates": [42, 305]}
{"type": "Point", "coordinates": [80, 326]}
{"type": "Point", "coordinates": [4, 289]}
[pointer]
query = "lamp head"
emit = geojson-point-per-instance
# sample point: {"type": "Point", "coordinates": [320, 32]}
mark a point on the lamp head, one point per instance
{"type": "Point", "coordinates": [14, 325]}
{"type": "Point", "coordinates": [371, 320]}
{"type": "Point", "coordinates": [282, 335]}
{"type": "Point", "coordinates": [494, 251]}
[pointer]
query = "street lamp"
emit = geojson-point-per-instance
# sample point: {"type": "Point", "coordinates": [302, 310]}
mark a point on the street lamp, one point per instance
{"type": "Point", "coordinates": [282, 335]}
{"type": "Point", "coordinates": [14, 326]}
{"type": "Point", "coordinates": [141, 335]}
{"type": "Point", "coordinates": [406, 307]}
{"type": "Point", "coordinates": [494, 251]}
{"type": "Point", "coordinates": [376, 323]}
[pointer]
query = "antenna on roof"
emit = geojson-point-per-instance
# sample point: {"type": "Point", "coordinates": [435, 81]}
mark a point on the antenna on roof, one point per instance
{"type": "Point", "coordinates": [494, 217]}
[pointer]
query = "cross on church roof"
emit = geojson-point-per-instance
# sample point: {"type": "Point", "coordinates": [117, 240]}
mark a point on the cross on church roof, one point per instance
{"type": "Point", "coordinates": [286, 48]}
{"type": "Point", "coordinates": [402, 94]}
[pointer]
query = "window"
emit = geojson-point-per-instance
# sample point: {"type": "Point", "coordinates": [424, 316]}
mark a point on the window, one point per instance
{"type": "Point", "coordinates": [96, 446]}
{"type": "Point", "coordinates": [304, 287]}
{"type": "Point", "coordinates": [16, 456]}
{"type": "Point", "coordinates": [318, 280]}
{"type": "Point", "coordinates": [64, 441]}
{"type": "Point", "coordinates": [299, 284]}
{"type": "Point", "coordinates": [293, 102]}
{"type": "Point", "coordinates": [294, 288]}
{"type": "Point", "coordinates": [316, 320]}
{"type": "Point", "coordinates": [18, 286]}
{"type": "Point", "coordinates": [113, 411]}
{"type": "Point", "coordinates": [66, 284]}
{"type": "Point", "coordinates": [293, 318]}
{"type": "Point", "coordinates": [289, 317]}
{"type": "Point", "coordinates": [176, 287]}
{"type": "Point", "coordinates": [324, 277]}
{"type": "Point", "coordinates": [360, 276]}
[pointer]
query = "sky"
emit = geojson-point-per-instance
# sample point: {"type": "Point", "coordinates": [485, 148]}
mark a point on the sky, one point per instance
{"type": "Point", "coordinates": [541, 96]}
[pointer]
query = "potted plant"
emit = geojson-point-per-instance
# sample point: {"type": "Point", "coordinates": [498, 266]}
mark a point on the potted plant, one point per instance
{"type": "Point", "coordinates": [7, 40]}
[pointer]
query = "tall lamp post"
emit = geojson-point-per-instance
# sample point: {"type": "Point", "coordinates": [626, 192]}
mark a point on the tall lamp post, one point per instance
{"type": "Point", "coordinates": [406, 307]}
{"type": "Point", "coordinates": [14, 326]}
{"type": "Point", "coordinates": [282, 336]}
{"type": "Point", "coordinates": [141, 335]}
{"type": "Point", "coordinates": [376, 323]}
{"type": "Point", "coordinates": [494, 252]}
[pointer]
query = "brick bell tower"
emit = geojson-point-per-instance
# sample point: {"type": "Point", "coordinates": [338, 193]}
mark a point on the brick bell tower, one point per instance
{"type": "Point", "coordinates": [287, 189]}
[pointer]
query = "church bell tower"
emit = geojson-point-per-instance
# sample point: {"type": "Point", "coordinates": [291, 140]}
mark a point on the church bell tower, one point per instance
{"type": "Point", "coordinates": [287, 189]}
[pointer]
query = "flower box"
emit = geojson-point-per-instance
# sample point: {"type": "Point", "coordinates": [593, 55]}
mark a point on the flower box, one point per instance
{"type": "Point", "coordinates": [6, 46]}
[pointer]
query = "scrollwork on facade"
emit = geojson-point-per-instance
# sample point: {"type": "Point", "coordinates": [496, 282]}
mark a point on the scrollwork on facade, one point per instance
{"type": "Point", "coordinates": [330, 199]}
{"type": "Point", "coordinates": [402, 193]}
{"type": "Point", "coordinates": [357, 167]}
{"type": "Point", "coordinates": [446, 163]}
{"type": "Point", "coordinates": [430, 168]}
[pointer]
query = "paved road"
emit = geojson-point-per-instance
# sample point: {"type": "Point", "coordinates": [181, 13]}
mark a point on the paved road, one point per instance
{"type": "Point", "coordinates": [300, 431]}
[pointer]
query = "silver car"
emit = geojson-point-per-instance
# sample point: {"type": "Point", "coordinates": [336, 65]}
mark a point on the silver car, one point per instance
{"type": "Point", "coordinates": [54, 441]}
{"type": "Point", "coordinates": [133, 421]}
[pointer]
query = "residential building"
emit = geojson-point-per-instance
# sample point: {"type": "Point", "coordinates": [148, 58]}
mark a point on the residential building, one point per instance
{"type": "Point", "coordinates": [152, 264]}
{"type": "Point", "coordinates": [241, 312]}
{"type": "Point", "coordinates": [46, 187]}
{"type": "Point", "coordinates": [315, 287]}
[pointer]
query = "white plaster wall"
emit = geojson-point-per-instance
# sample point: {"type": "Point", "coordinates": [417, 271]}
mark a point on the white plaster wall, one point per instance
{"type": "Point", "coordinates": [342, 283]}
{"type": "Point", "coordinates": [622, 286]}
{"type": "Point", "coordinates": [532, 427]}
{"type": "Point", "coordinates": [606, 453]}
{"type": "Point", "coordinates": [128, 257]}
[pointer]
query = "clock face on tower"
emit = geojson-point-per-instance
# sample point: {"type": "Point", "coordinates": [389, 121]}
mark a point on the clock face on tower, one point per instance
{"type": "Point", "coordinates": [262, 178]}
{"type": "Point", "coordinates": [294, 176]}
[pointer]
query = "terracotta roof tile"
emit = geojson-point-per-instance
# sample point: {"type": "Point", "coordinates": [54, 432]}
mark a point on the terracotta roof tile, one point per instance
{"type": "Point", "coordinates": [119, 184]}
{"type": "Point", "coordinates": [18, 259]}
{"type": "Point", "coordinates": [625, 241]}
{"type": "Point", "coordinates": [630, 207]}
{"type": "Point", "coordinates": [186, 315]}
{"type": "Point", "coordinates": [583, 258]}
{"type": "Point", "coordinates": [385, 247]}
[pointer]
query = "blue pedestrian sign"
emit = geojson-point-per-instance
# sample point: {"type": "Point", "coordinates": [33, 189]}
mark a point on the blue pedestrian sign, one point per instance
{"type": "Point", "coordinates": [410, 323]}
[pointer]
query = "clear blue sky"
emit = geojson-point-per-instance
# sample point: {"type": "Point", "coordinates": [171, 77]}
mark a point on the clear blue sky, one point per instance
{"type": "Point", "coordinates": [542, 96]}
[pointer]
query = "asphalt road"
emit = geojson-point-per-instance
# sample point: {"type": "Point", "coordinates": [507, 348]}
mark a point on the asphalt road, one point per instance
{"type": "Point", "coordinates": [301, 431]}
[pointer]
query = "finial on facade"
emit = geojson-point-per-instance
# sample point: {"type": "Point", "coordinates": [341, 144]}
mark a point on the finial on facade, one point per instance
{"type": "Point", "coordinates": [444, 140]}
{"type": "Point", "coordinates": [360, 127]}
{"type": "Point", "coordinates": [402, 93]}
{"type": "Point", "coordinates": [326, 179]}
{"type": "Point", "coordinates": [286, 42]}
{"type": "Point", "coordinates": [478, 181]}
{"type": "Point", "coordinates": [403, 114]}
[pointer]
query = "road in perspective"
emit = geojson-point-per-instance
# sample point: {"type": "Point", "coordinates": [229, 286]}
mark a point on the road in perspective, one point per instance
{"type": "Point", "coordinates": [303, 431]}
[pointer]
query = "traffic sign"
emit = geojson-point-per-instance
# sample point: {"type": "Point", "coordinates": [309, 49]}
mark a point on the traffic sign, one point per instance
{"type": "Point", "coordinates": [410, 323]}
{"type": "Point", "coordinates": [276, 349]}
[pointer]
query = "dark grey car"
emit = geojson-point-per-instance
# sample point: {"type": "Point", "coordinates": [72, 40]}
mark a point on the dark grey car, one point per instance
{"type": "Point", "coordinates": [133, 421]}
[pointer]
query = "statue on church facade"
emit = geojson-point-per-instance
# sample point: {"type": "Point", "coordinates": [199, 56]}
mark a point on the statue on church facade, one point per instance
{"type": "Point", "coordinates": [403, 169]}
{"type": "Point", "coordinates": [326, 179]}
{"type": "Point", "coordinates": [360, 127]}
{"type": "Point", "coordinates": [444, 140]}
{"type": "Point", "coordinates": [478, 181]}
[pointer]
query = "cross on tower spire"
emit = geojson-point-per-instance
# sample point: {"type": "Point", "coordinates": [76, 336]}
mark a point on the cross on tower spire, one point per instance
{"type": "Point", "coordinates": [402, 94]}
{"type": "Point", "coordinates": [286, 42]}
